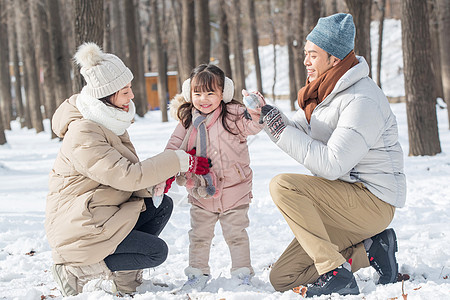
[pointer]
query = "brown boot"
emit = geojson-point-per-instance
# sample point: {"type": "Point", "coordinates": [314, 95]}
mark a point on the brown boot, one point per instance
{"type": "Point", "coordinates": [127, 281]}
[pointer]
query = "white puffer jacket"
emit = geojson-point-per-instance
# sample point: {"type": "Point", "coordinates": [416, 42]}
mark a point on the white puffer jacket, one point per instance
{"type": "Point", "coordinates": [352, 136]}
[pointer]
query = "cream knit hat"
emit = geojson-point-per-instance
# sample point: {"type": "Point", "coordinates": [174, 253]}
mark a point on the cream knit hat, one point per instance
{"type": "Point", "coordinates": [105, 73]}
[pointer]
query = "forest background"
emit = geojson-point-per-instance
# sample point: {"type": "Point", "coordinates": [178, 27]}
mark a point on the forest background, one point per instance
{"type": "Point", "coordinates": [39, 37]}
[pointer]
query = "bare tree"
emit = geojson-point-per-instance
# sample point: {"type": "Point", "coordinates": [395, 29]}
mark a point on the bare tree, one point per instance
{"type": "Point", "coordinates": [119, 42]}
{"type": "Point", "coordinates": [5, 79]}
{"type": "Point", "coordinates": [161, 62]}
{"type": "Point", "coordinates": [382, 8]}
{"type": "Point", "coordinates": [14, 57]}
{"type": "Point", "coordinates": [203, 32]}
{"type": "Point", "coordinates": [187, 32]}
{"type": "Point", "coordinates": [107, 44]}
{"type": "Point", "coordinates": [27, 49]}
{"type": "Point", "coordinates": [41, 29]}
{"type": "Point", "coordinates": [60, 61]}
{"type": "Point", "coordinates": [239, 72]}
{"type": "Point", "coordinates": [224, 60]}
{"type": "Point", "coordinates": [254, 43]}
{"type": "Point", "coordinates": [311, 15]}
{"type": "Point", "coordinates": [419, 80]}
{"type": "Point", "coordinates": [435, 52]}
{"type": "Point", "coordinates": [299, 42]}
{"type": "Point", "coordinates": [361, 12]}
{"type": "Point", "coordinates": [444, 45]}
{"type": "Point", "coordinates": [89, 27]}
{"type": "Point", "coordinates": [2, 132]}
{"type": "Point", "coordinates": [136, 58]}
{"type": "Point", "coordinates": [329, 7]}
{"type": "Point", "coordinates": [273, 37]}
{"type": "Point", "coordinates": [291, 61]}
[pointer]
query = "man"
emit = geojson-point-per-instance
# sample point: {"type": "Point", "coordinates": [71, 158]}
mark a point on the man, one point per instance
{"type": "Point", "coordinates": [346, 134]}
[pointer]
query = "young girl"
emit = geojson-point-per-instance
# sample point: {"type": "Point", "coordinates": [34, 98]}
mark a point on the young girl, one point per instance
{"type": "Point", "coordinates": [212, 124]}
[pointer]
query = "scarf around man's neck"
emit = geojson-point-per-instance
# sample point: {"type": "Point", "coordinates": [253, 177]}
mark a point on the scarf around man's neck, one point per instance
{"type": "Point", "coordinates": [314, 92]}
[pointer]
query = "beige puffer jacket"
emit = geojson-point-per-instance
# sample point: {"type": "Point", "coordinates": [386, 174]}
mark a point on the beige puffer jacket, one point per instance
{"type": "Point", "coordinates": [96, 188]}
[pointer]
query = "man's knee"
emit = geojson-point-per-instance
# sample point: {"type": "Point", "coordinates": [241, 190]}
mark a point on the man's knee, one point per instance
{"type": "Point", "coordinates": [278, 280]}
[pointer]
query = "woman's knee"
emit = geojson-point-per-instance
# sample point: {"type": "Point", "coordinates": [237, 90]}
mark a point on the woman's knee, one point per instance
{"type": "Point", "coordinates": [160, 256]}
{"type": "Point", "coordinates": [167, 204]}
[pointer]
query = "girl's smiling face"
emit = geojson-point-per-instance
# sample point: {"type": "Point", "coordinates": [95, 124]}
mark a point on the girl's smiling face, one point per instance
{"type": "Point", "coordinates": [205, 100]}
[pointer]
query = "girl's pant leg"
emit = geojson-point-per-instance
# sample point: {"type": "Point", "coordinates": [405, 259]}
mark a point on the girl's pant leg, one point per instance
{"type": "Point", "coordinates": [234, 223]}
{"type": "Point", "coordinates": [200, 237]}
{"type": "Point", "coordinates": [142, 248]}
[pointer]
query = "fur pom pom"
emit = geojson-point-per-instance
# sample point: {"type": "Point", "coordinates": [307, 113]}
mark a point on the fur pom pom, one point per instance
{"type": "Point", "coordinates": [88, 55]}
{"type": "Point", "coordinates": [175, 103]}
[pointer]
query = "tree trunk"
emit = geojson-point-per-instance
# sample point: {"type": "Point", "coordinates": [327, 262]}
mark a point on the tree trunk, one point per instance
{"type": "Point", "coordinates": [107, 44]}
{"type": "Point", "coordinates": [177, 35]}
{"type": "Point", "coordinates": [299, 43]}
{"type": "Point", "coordinates": [119, 42]}
{"type": "Point", "coordinates": [161, 62]}
{"type": "Point", "coordinates": [273, 40]}
{"type": "Point", "coordinates": [224, 60]}
{"type": "Point", "coordinates": [444, 45]}
{"type": "Point", "coordinates": [2, 132]}
{"type": "Point", "coordinates": [203, 34]}
{"type": "Point", "coordinates": [60, 62]}
{"type": "Point", "coordinates": [329, 7]}
{"type": "Point", "coordinates": [89, 27]}
{"type": "Point", "coordinates": [136, 58]}
{"type": "Point", "coordinates": [419, 80]}
{"type": "Point", "coordinates": [435, 52]}
{"type": "Point", "coordinates": [26, 42]}
{"type": "Point", "coordinates": [361, 12]}
{"type": "Point", "coordinates": [311, 15]}
{"type": "Point", "coordinates": [14, 56]}
{"type": "Point", "coordinates": [380, 40]}
{"type": "Point", "coordinates": [239, 71]}
{"type": "Point", "coordinates": [254, 41]}
{"type": "Point", "coordinates": [5, 78]}
{"type": "Point", "coordinates": [40, 20]}
{"type": "Point", "coordinates": [187, 34]}
{"type": "Point", "coordinates": [291, 62]}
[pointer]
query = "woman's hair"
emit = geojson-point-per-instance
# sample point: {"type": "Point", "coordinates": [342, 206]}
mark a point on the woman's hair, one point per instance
{"type": "Point", "coordinates": [207, 78]}
{"type": "Point", "coordinates": [107, 100]}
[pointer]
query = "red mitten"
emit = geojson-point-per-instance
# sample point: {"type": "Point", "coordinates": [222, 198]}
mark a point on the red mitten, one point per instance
{"type": "Point", "coordinates": [169, 184]}
{"type": "Point", "coordinates": [199, 165]}
{"type": "Point", "coordinates": [192, 151]}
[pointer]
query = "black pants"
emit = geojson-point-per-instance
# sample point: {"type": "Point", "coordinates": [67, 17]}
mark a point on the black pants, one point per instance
{"type": "Point", "coordinates": [142, 248]}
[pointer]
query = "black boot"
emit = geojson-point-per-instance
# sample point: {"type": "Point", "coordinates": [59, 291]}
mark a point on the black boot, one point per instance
{"type": "Point", "coordinates": [339, 280]}
{"type": "Point", "coordinates": [382, 256]}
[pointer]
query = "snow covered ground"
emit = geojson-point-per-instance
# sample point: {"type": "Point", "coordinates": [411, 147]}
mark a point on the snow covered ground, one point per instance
{"type": "Point", "coordinates": [422, 226]}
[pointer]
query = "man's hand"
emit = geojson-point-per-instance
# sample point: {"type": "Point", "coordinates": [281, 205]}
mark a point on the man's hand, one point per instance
{"type": "Point", "coordinates": [273, 119]}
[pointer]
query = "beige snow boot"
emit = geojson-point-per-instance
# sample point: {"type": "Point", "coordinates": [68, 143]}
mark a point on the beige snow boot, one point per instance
{"type": "Point", "coordinates": [127, 281]}
{"type": "Point", "coordinates": [71, 279]}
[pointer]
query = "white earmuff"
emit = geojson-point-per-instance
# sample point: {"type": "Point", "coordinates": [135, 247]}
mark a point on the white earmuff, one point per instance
{"type": "Point", "coordinates": [228, 90]}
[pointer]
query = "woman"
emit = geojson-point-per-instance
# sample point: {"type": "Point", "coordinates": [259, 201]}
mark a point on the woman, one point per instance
{"type": "Point", "coordinates": [101, 221]}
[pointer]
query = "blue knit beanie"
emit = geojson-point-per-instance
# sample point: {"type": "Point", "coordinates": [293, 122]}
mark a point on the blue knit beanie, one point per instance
{"type": "Point", "coordinates": [334, 34]}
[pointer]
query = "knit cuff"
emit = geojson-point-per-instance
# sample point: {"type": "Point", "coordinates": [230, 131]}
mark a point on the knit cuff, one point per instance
{"type": "Point", "coordinates": [183, 157]}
